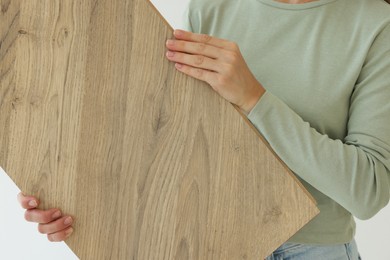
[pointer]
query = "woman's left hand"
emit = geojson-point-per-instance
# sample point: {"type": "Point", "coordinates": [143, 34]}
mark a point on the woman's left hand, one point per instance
{"type": "Point", "coordinates": [219, 63]}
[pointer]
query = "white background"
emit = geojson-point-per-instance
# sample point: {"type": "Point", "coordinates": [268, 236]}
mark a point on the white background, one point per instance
{"type": "Point", "coordinates": [20, 240]}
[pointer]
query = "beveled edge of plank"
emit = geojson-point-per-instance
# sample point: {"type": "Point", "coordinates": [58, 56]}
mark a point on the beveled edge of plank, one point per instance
{"type": "Point", "coordinates": [288, 170]}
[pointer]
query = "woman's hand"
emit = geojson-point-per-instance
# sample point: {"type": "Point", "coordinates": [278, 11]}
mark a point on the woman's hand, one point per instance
{"type": "Point", "coordinates": [51, 221]}
{"type": "Point", "coordinates": [217, 62]}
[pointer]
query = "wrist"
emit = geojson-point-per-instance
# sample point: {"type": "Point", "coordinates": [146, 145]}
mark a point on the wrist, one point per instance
{"type": "Point", "coordinates": [252, 100]}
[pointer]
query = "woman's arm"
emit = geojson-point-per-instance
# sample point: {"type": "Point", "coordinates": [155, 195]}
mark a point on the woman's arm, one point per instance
{"type": "Point", "coordinates": [355, 172]}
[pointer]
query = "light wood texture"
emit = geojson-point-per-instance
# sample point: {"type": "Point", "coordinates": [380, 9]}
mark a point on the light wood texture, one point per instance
{"type": "Point", "coordinates": [152, 164]}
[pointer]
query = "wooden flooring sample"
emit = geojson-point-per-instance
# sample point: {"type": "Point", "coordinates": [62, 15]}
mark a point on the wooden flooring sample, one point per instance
{"type": "Point", "coordinates": [153, 164]}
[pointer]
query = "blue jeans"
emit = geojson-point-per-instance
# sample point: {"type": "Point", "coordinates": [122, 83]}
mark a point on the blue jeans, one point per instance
{"type": "Point", "coordinates": [292, 251]}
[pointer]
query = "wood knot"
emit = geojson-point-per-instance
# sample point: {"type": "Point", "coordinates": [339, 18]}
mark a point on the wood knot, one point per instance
{"type": "Point", "coordinates": [65, 32]}
{"type": "Point", "coordinates": [272, 214]}
{"type": "Point", "coordinates": [14, 102]}
{"type": "Point", "coordinates": [235, 147]}
{"type": "Point", "coordinates": [62, 36]}
{"type": "Point", "coordinates": [4, 7]}
{"type": "Point", "coordinates": [35, 101]}
{"type": "Point", "coordinates": [21, 31]}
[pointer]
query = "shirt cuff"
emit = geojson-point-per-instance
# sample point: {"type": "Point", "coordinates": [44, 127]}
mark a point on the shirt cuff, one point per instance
{"type": "Point", "coordinates": [261, 107]}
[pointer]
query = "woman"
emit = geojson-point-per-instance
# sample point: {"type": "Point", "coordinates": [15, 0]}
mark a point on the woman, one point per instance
{"type": "Point", "coordinates": [314, 78]}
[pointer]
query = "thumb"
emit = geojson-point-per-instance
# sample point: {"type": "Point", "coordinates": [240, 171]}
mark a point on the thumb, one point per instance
{"type": "Point", "coordinates": [27, 202]}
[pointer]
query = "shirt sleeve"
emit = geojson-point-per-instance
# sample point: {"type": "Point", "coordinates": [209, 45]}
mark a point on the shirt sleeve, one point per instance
{"type": "Point", "coordinates": [354, 172]}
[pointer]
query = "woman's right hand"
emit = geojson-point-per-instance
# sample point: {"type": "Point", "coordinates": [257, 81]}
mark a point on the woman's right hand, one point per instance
{"type": "Point", "coordinates": [58, 227]}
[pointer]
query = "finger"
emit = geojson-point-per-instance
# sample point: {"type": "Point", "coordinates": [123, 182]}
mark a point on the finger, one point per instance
{"type": "Point", "coordinates": [27, 202]}
{"type": "Point", "coordinates": [197, 61]}
{"type": "Point", "coordinates": [203, 38]}
{"type": "Point", "coordinates": [42, 216]}
{"type": "Point", "coordinates": [55, 226]}
{"type": "Point", "coordinates": [201, 74]}
{"type": "Point", "coordinates": [195, 48]}
{"type": "Point", "coordinates": [61, 235]}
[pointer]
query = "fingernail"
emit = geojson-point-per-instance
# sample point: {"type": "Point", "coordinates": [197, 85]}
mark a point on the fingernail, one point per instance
{"type": "Point", "coordinates": [19, 197]}
{"type": "Point", "coordinates": [169, 42]}
{"type": "Point", "coordinates": [177, 32]}
{"type": "Point", "coordinates": [68, 220]}
{"type": "Point", "coordinates": [68, 232]}
{"type": "Point", "coordinates": [170, 54]}
{"type": "Point", "coordinates": [57, 214]}
{"type": "Point", "coordinates": [32, 203]}
{"type": "Point", "coordinates": [179, 66]}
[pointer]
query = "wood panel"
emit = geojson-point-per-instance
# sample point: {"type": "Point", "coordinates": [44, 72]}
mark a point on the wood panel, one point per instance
{"type": "Point", "coordinates": [153, 164]}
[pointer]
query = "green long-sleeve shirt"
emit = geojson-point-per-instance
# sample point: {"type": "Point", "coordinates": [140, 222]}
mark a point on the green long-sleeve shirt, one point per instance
{"type": "Point", "coordinates": [325, 66]}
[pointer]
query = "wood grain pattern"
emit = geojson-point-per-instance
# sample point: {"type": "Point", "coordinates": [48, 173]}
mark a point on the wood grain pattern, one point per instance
{"type": "Point", "coordinates": [152, 164]}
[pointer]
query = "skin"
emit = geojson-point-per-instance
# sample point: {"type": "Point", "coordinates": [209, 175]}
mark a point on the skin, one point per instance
{"type": "Point", "coordinates": [215, 61]}
{"type": "Point", "coordinates": [51, 222]}
{"type": "Point", "coordinates": [219, 63]}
